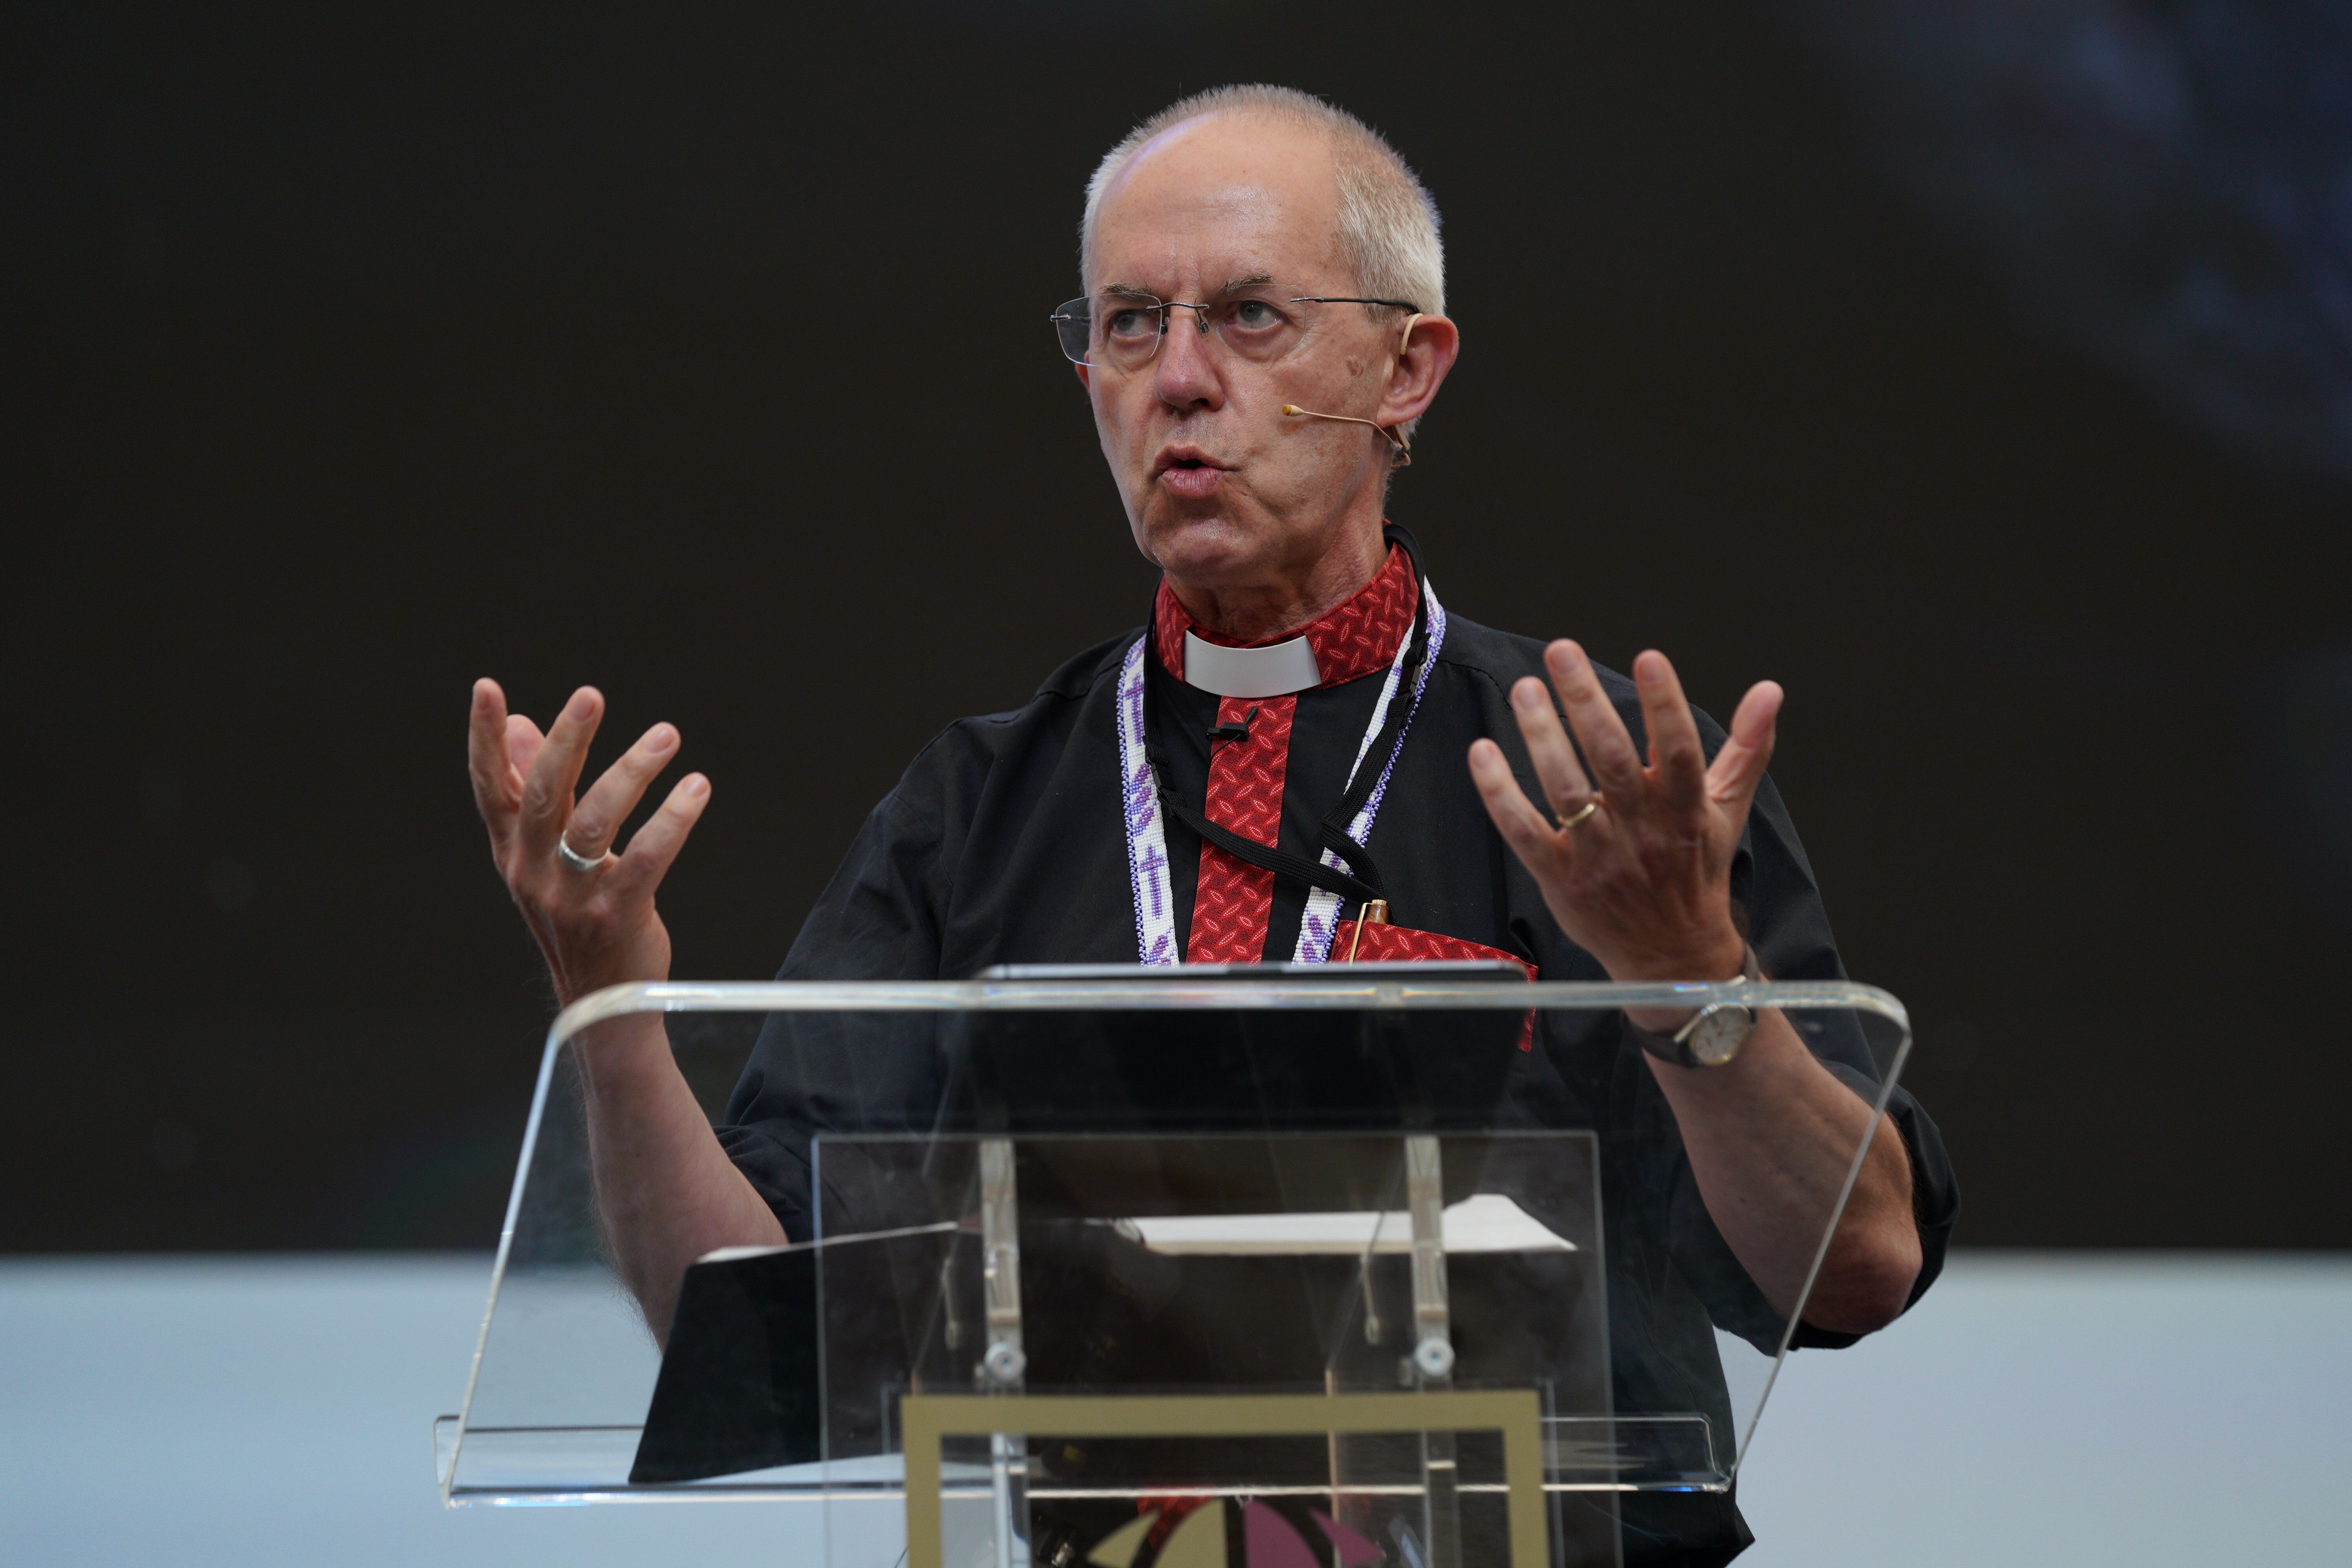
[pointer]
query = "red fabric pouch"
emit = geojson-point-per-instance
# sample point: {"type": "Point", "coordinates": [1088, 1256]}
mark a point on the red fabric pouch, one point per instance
{"type": "Point", "coordinates": [1384, 943]}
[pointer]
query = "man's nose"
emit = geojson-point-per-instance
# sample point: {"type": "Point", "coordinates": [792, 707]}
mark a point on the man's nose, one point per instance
{"type": "Point", "coordinates": [1185, 373]}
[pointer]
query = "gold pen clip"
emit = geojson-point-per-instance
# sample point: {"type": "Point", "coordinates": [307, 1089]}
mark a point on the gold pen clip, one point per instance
{"type": "Point", "coordinates": [1375, 913]}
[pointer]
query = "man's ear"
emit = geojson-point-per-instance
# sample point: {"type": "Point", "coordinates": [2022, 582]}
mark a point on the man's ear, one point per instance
{"type": "Point", "coordinates": [1082, 376]}
{"type": "Point", "coordinates": [1430, 345]}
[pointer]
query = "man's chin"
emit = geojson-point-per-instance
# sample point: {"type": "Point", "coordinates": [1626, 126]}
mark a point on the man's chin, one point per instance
{"type": "Point", "coordinates": [1210, 549]}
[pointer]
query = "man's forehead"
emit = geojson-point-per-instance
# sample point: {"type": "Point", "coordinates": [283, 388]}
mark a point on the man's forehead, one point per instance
{"type": "Point", "coordinates": [1221, 199]}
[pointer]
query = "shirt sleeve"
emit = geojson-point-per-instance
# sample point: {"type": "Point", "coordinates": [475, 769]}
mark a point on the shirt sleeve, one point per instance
{"type": "Point", "coordinates": [818, 1072]}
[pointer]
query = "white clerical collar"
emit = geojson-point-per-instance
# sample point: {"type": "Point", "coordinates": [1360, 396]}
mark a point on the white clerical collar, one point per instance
{"type": "Point", "coordinates": [1276, 671]}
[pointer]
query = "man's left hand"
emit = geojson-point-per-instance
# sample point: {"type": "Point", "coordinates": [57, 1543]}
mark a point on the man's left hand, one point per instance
{"type": "Point", "coordinates": [1643, 882]}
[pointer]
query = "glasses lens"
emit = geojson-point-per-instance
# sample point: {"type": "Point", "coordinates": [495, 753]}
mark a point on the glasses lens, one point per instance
{"type": "Point", "coordinates": [1257, 329]}
{"type": "Point", "coordinates": [1120, 330]}
{"type": "Point", "coordinates": [1131, 325]}
{"type": "Point", "coordinates": [1073, 324]}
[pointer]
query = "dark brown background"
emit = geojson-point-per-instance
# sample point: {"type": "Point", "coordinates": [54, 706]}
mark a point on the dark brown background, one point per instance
{"type": "Point", "coordinates": [354, 355]}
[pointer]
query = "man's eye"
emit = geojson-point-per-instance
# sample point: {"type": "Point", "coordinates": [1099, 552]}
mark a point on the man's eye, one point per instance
{"type": "Point", "coordinates": [1255, 315]}
{"type": "Point", "coordinates": [1131, 322]}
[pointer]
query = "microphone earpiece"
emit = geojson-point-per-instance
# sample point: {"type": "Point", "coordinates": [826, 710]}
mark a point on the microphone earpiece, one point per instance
{"type": "Point", "coordinates": [1401, 459]}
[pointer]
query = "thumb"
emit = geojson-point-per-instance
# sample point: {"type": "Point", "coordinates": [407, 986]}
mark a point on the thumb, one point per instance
{"type": "Point", "coordinates": [1738, 767]}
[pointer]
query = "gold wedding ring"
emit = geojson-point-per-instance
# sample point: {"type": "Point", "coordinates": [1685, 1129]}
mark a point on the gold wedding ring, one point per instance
{"type": "Point", "coordinates": [1589, 807]}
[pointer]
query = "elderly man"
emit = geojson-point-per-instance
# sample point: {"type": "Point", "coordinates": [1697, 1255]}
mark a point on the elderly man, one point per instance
{"type": "Point", "coordinates": [1264, 325]}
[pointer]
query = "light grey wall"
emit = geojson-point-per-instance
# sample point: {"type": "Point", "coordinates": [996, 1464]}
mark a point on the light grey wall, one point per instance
{"type": "Point", "coordinates": [2035, 1409]}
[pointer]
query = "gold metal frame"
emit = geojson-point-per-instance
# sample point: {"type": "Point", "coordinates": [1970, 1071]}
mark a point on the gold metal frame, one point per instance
{"type": "Point", "coordinates": [926, 1419]}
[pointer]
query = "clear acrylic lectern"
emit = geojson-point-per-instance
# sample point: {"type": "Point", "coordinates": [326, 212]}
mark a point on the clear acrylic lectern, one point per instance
{"type": "Point", "coordinates": [1158, 1271]}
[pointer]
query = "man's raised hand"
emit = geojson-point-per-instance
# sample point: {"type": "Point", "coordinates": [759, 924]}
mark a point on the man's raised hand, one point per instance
{"type": "Point", "coordinates": [596, 927]}
{"type": "Point", "coordinates": [1642, 879]}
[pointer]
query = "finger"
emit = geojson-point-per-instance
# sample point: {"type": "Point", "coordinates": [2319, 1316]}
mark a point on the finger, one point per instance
{"type": "Point", "coordinates": [523, 741]}
{"type": "Point", "coordinates": [1609, 753]}
{"type": "Point", "coordinates": [1538, 845]}
{"type": "Point", "coordinates": [495, 792]}
{"type": "Point", "coordinates": [1739, 765]}
{"type": "Point", "coordinates": [1556, 769]}
{"type": "Point", "coordinates": [1677, 759]}
{"type": "Point", "coordinates": [597, 818]}
{"type": "Point", "coordinates": [652, 847]}
{"type": "Point", "coordinates": [546, 787]}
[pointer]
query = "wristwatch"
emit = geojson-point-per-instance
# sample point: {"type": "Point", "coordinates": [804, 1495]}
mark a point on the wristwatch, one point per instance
{"type": "Point", "coordinates": [1715, 1033]}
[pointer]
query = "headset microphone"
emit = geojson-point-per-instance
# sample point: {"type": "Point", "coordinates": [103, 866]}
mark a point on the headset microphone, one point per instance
{"type": "Point", "coordinates": [1402, 457]}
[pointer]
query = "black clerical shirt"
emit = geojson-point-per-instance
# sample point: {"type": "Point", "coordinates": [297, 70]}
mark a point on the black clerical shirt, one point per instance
{"type": "Point", "coordinates": [1005, 843]}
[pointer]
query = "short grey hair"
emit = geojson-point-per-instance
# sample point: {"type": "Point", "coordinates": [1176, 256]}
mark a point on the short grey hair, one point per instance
{"type": "Point", "coordinates": [1388, 225]}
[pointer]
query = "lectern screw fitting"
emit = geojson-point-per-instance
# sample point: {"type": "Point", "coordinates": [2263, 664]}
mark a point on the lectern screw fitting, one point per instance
{"type": "Point", "coordinates": [1004, 1364]}
{"type": "Point", "coordinates": [1434, 1358]}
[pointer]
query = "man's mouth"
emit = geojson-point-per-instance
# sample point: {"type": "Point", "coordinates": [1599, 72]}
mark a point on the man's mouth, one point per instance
{"type": "Point", "coordinates": [1189, 473]}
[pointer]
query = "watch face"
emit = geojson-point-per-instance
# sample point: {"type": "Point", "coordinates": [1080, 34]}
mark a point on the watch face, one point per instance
{"type": "Point", "coordinates": [1719, 1034]}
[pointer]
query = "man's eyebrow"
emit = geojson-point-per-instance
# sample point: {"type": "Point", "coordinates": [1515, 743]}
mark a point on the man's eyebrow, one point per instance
{"type": "Point", "coordinates": [1230, 286]}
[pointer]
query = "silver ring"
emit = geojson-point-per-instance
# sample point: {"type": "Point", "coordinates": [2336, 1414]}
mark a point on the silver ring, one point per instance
{"type": "Point", "coordinates": [576, 860]}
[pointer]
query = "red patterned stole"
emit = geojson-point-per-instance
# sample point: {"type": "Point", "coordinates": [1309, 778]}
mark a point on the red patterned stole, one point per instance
{"type": "Point", "coordinates": [1234, 901]}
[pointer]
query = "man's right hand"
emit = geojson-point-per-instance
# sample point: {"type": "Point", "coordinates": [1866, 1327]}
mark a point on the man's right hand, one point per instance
{"type": "Point", "coordinates": [666, 1191]}
{"type": "Point", "coordinates": [597, 928]}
